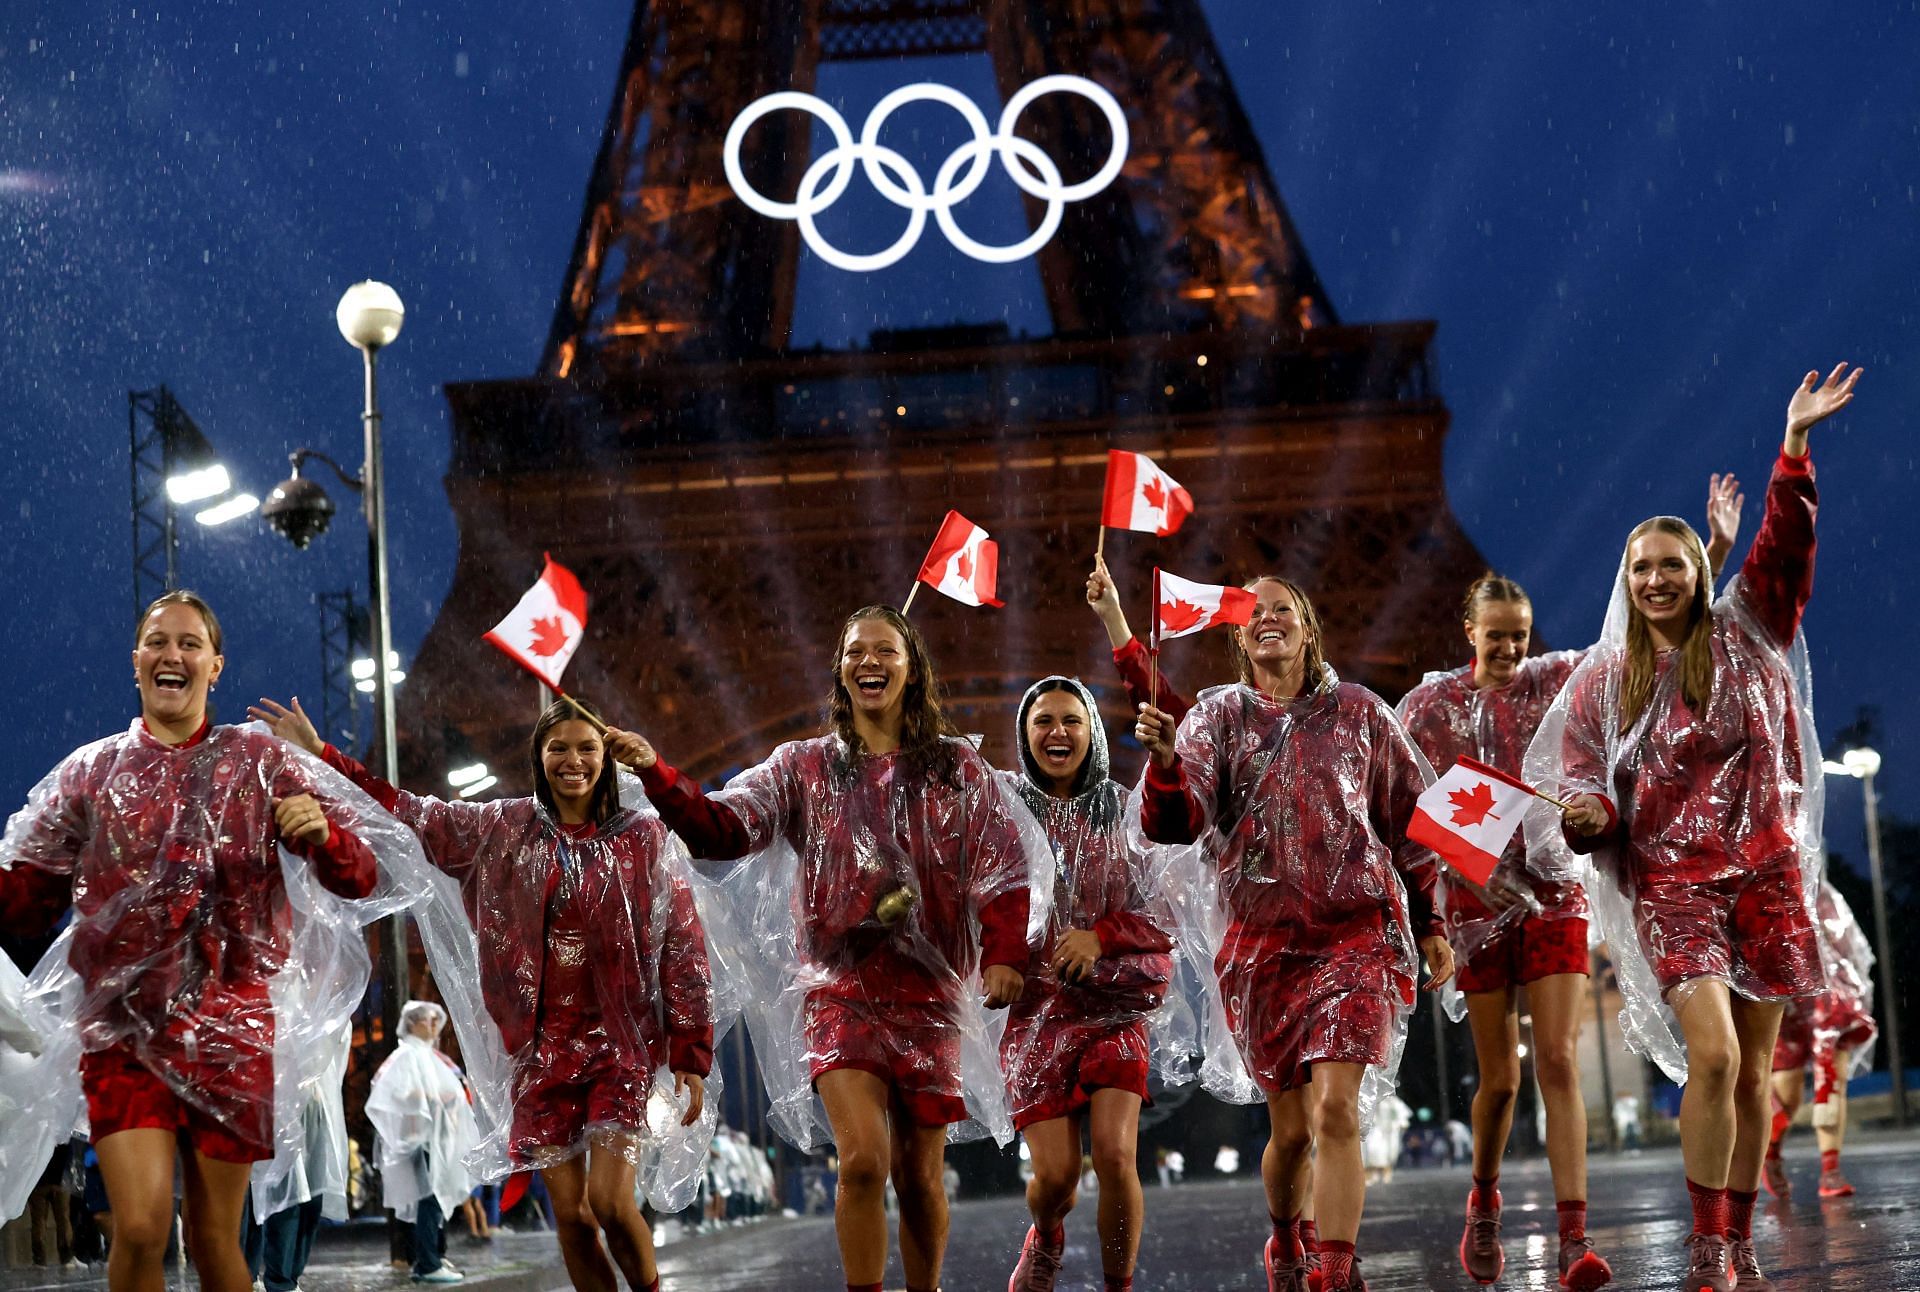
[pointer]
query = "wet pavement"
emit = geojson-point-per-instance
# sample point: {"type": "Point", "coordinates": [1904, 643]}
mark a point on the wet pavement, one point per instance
{"type": "Point", "coordinates": [1208, 1236]}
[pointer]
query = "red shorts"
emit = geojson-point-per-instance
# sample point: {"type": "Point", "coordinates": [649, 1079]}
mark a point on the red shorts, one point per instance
{"type": "Point", "coordinates": [1054, 1065]}
{"type": "Point", "coordinates": [1793, 1048]}
{"type": "Point", "coordinates": [1529, 949]}
{"type": "Point", "coordinates": [124, 1094]}
{"type": "Point", "coordinates": [1287, 1013]}
{"type": "Point", "coordinates": [1751, 932]}
{"type": "Point", "coordinates": [918, 1058]}
{"type": "Point", "coordinates": [557, 1112]}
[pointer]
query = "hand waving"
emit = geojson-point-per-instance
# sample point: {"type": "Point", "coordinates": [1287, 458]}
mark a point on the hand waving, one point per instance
{"type": "Point", "coordinates": [1816, 401]}
{"type": "Point", "coordinates": [291, 725]}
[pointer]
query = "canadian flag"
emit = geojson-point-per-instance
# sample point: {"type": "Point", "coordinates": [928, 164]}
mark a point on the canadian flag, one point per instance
{"type": "Point", "coordinates": [1142, 496]}
{"type": "Point", "coordinates": [542, 632]}
{"type": "Point", "coordinates": [1469, 815]}
{"type": "Point", "coordinates": [963, 562]}
{"type": "Point", "coordinates": [1182, 606]}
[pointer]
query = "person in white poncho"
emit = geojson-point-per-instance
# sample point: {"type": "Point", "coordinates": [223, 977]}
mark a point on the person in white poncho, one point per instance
{"type": "Point", "coordinates": [425, 1126]}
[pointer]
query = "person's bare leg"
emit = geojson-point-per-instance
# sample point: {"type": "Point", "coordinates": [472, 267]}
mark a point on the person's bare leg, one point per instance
{"type": "Point", "coordinates": [137, 1169]}
{"type": "Point", "coordinates": [610, 1195]}
{"type": "Point", "coordinates": [856, 1104]}
{"type": "Point", "coordinates": [1830, 1137]}
{"type": "Point", "coordinates": [215, 1196]}
{"type": "Point", "coordinates": [1115, 1116]}
{"type": "Point", "coordinates": [578, 1228]}
{"type": "Point", "coordinates": [919, 1157]}
{"type": "Point", "coordinates": [1053, 1148]}
{"type": "Point", "coordinates": [1756, 1025]}
{"type": "Point", "coordinates": [1556, 1003]}
{"type": "Point", "coordinates": [1707, 1124]}
{"type": "Point", "coordinates": [1340, 1180]}
{"type": "Point", "coordinates": [1284, 1164]}
{"type": "Point", "coordinates": [1495, 1024]}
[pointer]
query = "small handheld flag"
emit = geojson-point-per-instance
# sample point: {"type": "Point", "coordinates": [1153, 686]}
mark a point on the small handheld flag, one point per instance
{"type": "Point", "coordinates": [1141, 496]}
{"type": "Point", "coordinates": [542, 632]}
{"type": "Point", "coordinates": [1468, 817]}
{"type": "Point", "coordinates": [1181, 606]}
{"type": "Point", "coordinates": [963, 563]}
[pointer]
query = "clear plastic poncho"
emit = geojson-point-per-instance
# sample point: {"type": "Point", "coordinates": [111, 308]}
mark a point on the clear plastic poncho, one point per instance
{"type": "Point", "coordinates": [423, 1124]}
{"type": "Point", "coordinates": [1101, 883]}
{"type": "Point", "coordinates": [202, 946]}
{"type": "Point", "coordinates": [594, 965]}
{"type": "Point", "coordinates": [1293, 889]}
{"type": "Point", "coordinates": [1711, 867]}
{"type": "Point", "coordinates": [1449, 717]}
{"type": "Point", "coordinates": [826, 838]}
{"type": "Point", "coordinates": [316, 1165]}
{"type": "Point", "coordinates": [1843, 1014]}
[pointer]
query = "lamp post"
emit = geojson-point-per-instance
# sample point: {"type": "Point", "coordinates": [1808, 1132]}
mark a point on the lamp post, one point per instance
{"type": "Point", "coordinates": [1863, 764]}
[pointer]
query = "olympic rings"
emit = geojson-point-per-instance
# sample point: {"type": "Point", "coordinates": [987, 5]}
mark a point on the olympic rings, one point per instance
{"type": "Point", "coordinates": [894, 177]}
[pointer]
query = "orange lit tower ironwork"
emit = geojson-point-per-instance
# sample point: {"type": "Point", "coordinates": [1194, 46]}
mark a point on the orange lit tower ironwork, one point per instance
{"type": "Point", "coordinates": [727, 499]}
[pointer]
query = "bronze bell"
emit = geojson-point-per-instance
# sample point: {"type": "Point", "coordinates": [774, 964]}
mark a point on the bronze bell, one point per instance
{"type": "Point", "coordinates": [893, 908]}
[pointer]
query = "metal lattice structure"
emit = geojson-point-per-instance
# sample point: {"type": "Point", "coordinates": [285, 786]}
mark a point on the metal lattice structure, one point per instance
{"type": "Point", "coordinates": [727, 499]}
{"type": "Point", "coordinates": [161, 439]}
{"type": "Point", "coordinates": [344, 635]}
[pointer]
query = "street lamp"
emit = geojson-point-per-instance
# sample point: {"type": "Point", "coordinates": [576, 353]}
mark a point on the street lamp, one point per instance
{"type": "Point", "coordinates": [1863, 764]}
{"type": "Point", "coordinates": [369, 317]}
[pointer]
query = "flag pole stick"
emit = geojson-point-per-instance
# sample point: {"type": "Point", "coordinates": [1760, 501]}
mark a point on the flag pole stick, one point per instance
{"type": "Point", "coordinates": [1153, 653]}
{"type": "Point", "coordinates": [1548, 797]}
{"type": "Point", "coordinates": [581, 709]}
{"type": "Point", "coordinates": [912, 592]}
{"type": "Point", "coordinates": [1100, 548]}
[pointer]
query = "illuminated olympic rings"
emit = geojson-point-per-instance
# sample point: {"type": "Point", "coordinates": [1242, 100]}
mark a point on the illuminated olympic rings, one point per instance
{"type": "Point", "coordinates": [895, 177]}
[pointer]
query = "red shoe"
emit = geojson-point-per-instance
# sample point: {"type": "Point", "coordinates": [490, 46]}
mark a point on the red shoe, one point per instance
{"type": "Point", "coordinates": [1283, 1275]}
{"type": "Point", "coordinates": [1709, 1266]}
{"type": "Point", "coordinates": [1039, 1265]}
{"type": "Point", "coordinates": [1480, 1253]}
{"type": "Point", "coordinates": [1773, 1174]}
{"type": "Point", "coordinates": [1581, 1268]}
{"type": "Point", "coordinates": [1746, 1270]}
{"type": "Point", "coordinates": [1834, 1185]}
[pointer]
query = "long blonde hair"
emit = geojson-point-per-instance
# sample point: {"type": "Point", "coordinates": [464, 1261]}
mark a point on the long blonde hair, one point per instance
{"type": "Point", "coordinates": [1314, 653]}
{"type": "Point", "coordinates": [1696, 651]}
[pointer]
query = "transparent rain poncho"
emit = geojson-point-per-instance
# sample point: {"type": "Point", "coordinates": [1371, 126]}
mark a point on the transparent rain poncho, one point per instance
{"type": "Point", "coordinates": [314, 1166]}
{"type": "Point", "coordinates": [1843, 1014]}
{"type": "Point", "coordinates": [204, 948]}
{"type": "Point", "coordinates": [830, 843]}
{"type": "Point", "coordinates": [1450, 718]}
{"type": "Point", "coordinates": [1294, 887]}
{"type": "Point", "coordinates": [593, 964]}
{"type": "Point", "coordinates": [423, 1125]}
{"type": "Point", "coordinates": [1121, 1018]}
{"type": "Point", "coordinates": [1710, 866]}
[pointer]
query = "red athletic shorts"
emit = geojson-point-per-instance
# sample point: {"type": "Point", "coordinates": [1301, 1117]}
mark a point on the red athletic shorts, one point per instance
{"type": "Point", "coordinates": [1528, 949]}
{"type": "Point", "coordinates": [555, 1111]}
{"type": "Point", "coordinates": [913, 1051]}
{"type": "Point", "coordinates": [1054, 1065]}
{"type": "Point", "coordinates": [123, 1094]}
{"type": "Point", "coordinates": [1288, 1013]}
{"type": "Point", "coordinates": [1750, 931]}
{"type": "Point", "coordinates": [1793, 1048]}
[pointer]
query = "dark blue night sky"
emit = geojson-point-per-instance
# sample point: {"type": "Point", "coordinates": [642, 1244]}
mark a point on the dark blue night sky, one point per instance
{"type": "Point", "coordinates": [1637, 227]}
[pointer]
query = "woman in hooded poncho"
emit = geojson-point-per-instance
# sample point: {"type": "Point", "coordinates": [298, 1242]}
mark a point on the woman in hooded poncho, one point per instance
{"type": "Point", "coordinates": [1682, 743]}
{"type": "Point", "coordinates": [593, 962]}
{"type": "Point", "coordinates": [1076, 1049]}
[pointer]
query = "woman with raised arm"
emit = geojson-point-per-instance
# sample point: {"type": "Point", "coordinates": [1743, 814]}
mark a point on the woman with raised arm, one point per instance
{"type": "Point", "coordinates": [1077, 1050]}
{"type": "Point", "coordinates": [909, 871]}
{"type": "Point", "coordinates": [593, 961]}
{"type": "Point", "coordinates": [1303, 786]}
{"type": "Point", "coordinates": [1685, 748]}
{"type": "Point", "coordinates": [1522, 930]}
{"type": "Point", "coordinates": [164, 841]}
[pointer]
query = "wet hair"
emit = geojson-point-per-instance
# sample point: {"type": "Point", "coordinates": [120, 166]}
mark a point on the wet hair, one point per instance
{"type": "Point", "coordinates": [181, 597]}
{"type": "Point", "coordinates": [923, 722]}
{"type": "Point", "coordinates": [605, 803]}
{"type": "Point", "coordinates": [1491, 587]}
{"type": "Point", "coordinates": [1315, 660]}
{"type": "Point", "coordinates": [1696, 650]}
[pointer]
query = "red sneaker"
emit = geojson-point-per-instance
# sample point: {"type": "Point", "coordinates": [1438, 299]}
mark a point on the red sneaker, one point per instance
{"type": "Point", "coordinates": [1709, 1265]}
{"type": "Point", "coordinates": [1283, 1274]}
{"type": "Point", "coordinates": [1746, 1269]}
{"type": "Point", "coordinates": [1039, 1265]}
{"type": "Point", "coordinates": [1834, 1185]}
{"type": "Point", "coordinates": [1581, 1268]}
{"type": "Point", "coordinates": [1481, 1255]}
{"type": "Point", "coordinates": [1773, 1174]}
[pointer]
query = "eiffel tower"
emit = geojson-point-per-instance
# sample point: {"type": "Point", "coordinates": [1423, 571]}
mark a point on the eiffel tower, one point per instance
{"type": "Point", "coordinates": [727, 498]}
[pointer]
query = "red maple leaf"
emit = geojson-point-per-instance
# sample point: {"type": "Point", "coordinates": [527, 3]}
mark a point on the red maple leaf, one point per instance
{"type": "Point", "coordinates": [1177, 616]}
{"type": "Point", "coordinates": [1472, 807]}
{"type": "Point", "coordinates": [1155, 494]}
{"type": "Point", "coordinates": [964, 566]}
{"type": "Point", "coordinates": [549, 637]}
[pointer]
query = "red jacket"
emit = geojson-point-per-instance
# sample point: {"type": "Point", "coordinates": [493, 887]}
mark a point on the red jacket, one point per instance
{"type": "Point", "coordinates": [862, 829]}
{"type": "Point", "coordinates": [645, 942]}
{"type": "Point", "coordinates": [167, 854]}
